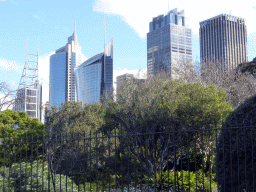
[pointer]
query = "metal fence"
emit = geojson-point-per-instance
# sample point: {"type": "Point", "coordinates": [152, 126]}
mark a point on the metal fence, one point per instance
{"type": "Point", "coordinates": [189, 159]}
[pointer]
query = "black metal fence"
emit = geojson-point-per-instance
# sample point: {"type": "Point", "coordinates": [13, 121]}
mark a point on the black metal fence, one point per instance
{"type": "Point", "coordinates": [207, 159]}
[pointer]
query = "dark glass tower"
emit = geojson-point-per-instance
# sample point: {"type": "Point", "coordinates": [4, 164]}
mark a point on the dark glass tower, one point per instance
{"type": "Point", "coordinates": [169, 42]}
{"type": "Point", "coordinates": [95, 76]}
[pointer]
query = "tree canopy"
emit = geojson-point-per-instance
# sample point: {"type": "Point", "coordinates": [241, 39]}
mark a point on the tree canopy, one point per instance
{"type": "Point", "coordinates": [16, 124]}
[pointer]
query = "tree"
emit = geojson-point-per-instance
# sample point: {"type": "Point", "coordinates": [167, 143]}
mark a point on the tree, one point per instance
{"type": "Point", "coordinates": [74, 124]}
{"type": "Point", "coordinates": [18, 127]}
{"type": "Point", "coordinates": [74, 117]}
{"type": "Point", "coordinates": [9, 96]}
{"type": "Point", "coordinates": [238, 84]}
{"type": "Point", "coordinates": [164, 104]}
{"type": "Point", "coordinates": [235, 159]}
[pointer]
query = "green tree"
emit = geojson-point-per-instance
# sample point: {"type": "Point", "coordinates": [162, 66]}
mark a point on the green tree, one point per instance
{"type": "Point", "coordinates": [18, 127]}
{"type": "Point", "coordinates": [164, 104]}
{"type": "Point", "coordinates": [235, 157]}
{"type": "Point", "coordinates": [74, 124]}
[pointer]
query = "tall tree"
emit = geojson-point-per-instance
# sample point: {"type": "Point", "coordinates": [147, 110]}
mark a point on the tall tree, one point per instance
{"type": "Point", "coordinates": [164, 104]}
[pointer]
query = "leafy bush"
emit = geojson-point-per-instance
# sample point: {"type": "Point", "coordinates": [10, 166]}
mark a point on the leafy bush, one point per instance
{"type": "Point", "coordinates": [24, 177]}
{"type": "Point", "coordinates": [184, 180]}
{"type": "Point", "coordinates": [235, 158]}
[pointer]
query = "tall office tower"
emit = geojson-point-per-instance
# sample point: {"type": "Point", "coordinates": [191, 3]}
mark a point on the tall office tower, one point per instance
{"type": "Point", "coordinates": [29, 94]}
{"type": "Point", "coordinates": [62, 86]}
{"type": "Point", "coordinates": [95, 76]}
{"type": "Point", "coordinates": [223, 40]}
{"type": "Point", "coordinates": [169, 43]}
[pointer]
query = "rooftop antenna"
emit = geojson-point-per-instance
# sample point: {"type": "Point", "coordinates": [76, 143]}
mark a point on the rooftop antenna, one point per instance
{"type": "Point", "coordinates": [104, 33]}
{"type": "Point", "coordinates": [104, 48]}
{"type": "Point", "coordinates": [230, 12]}
{"type": "Point", "coordinates": [74, 31]}
{"type": "Point", "coordinates": [168, 5]}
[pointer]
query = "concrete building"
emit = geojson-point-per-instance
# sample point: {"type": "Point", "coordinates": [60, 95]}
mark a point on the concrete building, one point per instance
{"type": "Point", "coordinates": [169, 43]}
{"type": "Point", "coordinates": [62, 83]}
{"type": "Point", "coordinates": [121, 79]}
{"type": "Point", "coordinates": [223, 40]}
{"type": "Point", "coordinates": [29, 100]}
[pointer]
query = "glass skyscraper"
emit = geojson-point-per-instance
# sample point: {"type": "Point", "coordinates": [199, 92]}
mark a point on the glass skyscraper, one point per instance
{"type": "Point", "coordinates": [95, 76]}
{"type": "Point", "coordinates": [223, 39]}
{"type": "Point", "coordinates": [62, 84]}
{"type": "Point", "coordinates": [169, 42]}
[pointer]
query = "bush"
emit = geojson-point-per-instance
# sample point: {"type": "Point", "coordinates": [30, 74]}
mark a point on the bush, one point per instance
{"type": "Point", "coordinates": [24, 177]}
{"type": "Point", "coordinates": [236, 148]}
{"type": "Point", "coordinates": [185, 180]}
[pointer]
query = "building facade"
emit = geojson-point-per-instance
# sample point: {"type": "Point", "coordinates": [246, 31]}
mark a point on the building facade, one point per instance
{"type": "Point", "coordinates": [62, 83]}
{"type": "Point", "coordinates": [29, 100]}
{"type": "Point", "coordinates": [169, 43]}
{"type": "Point", "coordinates": [223, 40]}
{"type": "Point", "coordinates": [95, 76]}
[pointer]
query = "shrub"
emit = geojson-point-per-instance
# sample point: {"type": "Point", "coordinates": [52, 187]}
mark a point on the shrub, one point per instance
{"type": "Point", "coordinates": [236, 148]}
{"type": "Point", "coordinates": [184, 180]}
{"type": "Point", "coordinates": [35, 177]}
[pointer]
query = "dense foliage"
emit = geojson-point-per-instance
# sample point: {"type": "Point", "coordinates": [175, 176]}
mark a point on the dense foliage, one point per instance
{"type": "Point", "coordinates": [35, 176]}
{"type": "Point", "coordinates": [235, 159]}
{"type": "Point", "coordinates": [18, 127]}
{"type": "Point", "coordinates": [163, 104]}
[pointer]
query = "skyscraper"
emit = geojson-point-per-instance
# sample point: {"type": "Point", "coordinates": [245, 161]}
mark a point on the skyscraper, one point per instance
{"type": "Point", "coordinates": [62, 85]}
{"type": "Point", "coordinates": [169, 42]}
{"type": "Point", "coordinates": [95, 76]}
{"type": "Point", "coordinates": [223, 40]}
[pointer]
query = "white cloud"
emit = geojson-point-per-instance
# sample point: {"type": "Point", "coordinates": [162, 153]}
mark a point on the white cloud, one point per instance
{"type": "Point", "coordinates": [40, 16]}
{"type": "Point", "coordinates": [10, 65]}
{"type": "Point", "coordinates": [83, 58]}
{"type": "Point", "coordinates": [43, 75]}
{"type": "Point", "coordinates": [138, 14]}
{"type": "Point", "coordinates": [14, 2]}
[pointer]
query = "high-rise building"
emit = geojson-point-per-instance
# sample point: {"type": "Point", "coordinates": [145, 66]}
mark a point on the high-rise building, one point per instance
{"type": "Point", "coordinates": [95, 76]}
{"type": "Point", "coordinates": [29, 100]}
{"type": "Point", "coordinates": [223, 40]}
{"type": "Point", "coordinates": [169, 43]}
{"type": "Point", "coordinates": [62, 85]}
{"type": "Point", "coordinates": [29, 94]}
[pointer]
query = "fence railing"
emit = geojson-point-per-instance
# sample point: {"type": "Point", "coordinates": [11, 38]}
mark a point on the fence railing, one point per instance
{"type": "Point", "coordinates": [209, 159]}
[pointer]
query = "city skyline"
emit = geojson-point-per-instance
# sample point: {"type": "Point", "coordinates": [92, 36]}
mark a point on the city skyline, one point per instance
{"type": "Point", "coordinates": [30, 21]}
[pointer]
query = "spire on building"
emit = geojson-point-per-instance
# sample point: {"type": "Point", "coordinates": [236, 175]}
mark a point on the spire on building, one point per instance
{"type": "Point", "coordinates": [74, 28]}
{"type": "Point", "coordinates": [73, 37]}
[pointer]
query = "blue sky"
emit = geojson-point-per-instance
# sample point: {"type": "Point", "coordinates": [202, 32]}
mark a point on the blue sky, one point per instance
{"type": "Point", "coordinates": [51, 22]}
